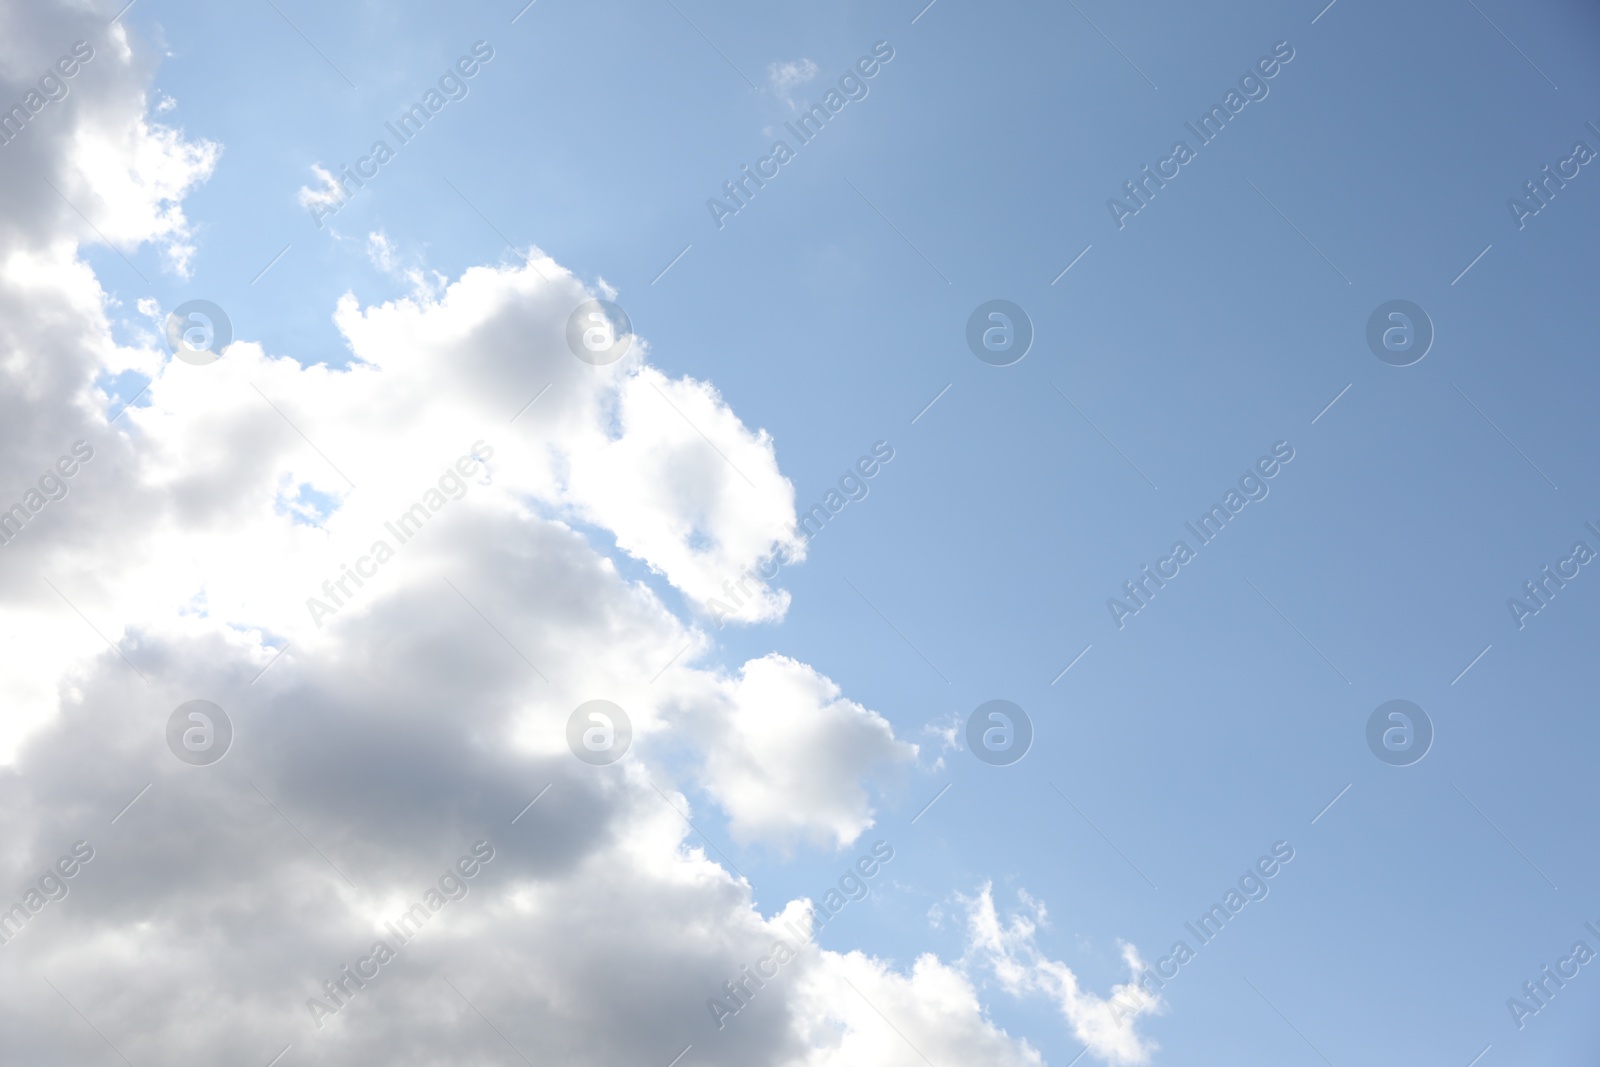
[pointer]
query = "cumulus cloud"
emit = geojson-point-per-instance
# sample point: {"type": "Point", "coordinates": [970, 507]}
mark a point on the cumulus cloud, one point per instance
{"type": "Point", "coordinates": [376, 745]}
{"type": "Point", "coordinates": [855, 1009]}
{"type": "Point", "coordinates": [687, 488]}
{"type": "Point", "coordinates": [788, 754]}
{"type": "Point", "coordinates": [140, 176]}
{"type": "Point", "coordinates": [90, 165]}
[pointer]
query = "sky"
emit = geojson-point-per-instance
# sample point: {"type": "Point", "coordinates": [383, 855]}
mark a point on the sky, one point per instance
{"type": "Point", "coordinates": [1082, 555]}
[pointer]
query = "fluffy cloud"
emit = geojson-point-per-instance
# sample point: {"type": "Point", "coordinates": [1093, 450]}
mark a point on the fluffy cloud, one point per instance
{"type": "Point", "coordinates": [787, 755]}
{"type": "Point", "coordinates": [854, 1009]}
{"type": "Point", "coordinates": [86, 165]}
{"type": "Point", "coordinates": [91, 164]}
{"type": "Point", "coordinates": [374, 746]}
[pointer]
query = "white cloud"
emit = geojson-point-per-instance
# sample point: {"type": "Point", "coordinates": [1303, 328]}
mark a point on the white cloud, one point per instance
{"type": "Point", "coordinates": [687, 488]}
{"type": "Point", "coordinates": [382, 252]}
{"type": "Point", "coordinates": [855, 1010]}
{"type": "Point", "coordinates": [1107, 1025]}
{"type": "Point", "coordinates": [386, 256]}
{"type": "Point", "coordinates": [787, 756]}
{"type": "Point", "coordinates": [429, 710]}
{"type": "Point", "coordinates": [325, 194]}
{"type": "Point", "coordinates": [789, 75]}
{"type": "Point", "coordinates": [130, 182]}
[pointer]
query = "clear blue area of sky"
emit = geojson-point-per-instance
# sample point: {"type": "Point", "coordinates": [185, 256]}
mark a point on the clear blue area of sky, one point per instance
{"type": "Point", "coordinates": [1225, 715]}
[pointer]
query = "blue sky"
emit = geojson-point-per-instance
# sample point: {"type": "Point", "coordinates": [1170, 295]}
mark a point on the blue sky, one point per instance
{"type": "Point", "coordinates": [1182, 346]}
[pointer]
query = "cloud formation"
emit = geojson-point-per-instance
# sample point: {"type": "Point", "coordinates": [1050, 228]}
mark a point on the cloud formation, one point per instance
{"type": "Point", "coordinates": [1010, 951]}
{"type": "Point", "coordinates": [374, 748]}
